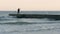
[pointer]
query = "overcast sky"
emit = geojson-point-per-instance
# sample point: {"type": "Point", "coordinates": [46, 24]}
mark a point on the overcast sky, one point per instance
{"type": "Point", "coordinates": [30, 4]}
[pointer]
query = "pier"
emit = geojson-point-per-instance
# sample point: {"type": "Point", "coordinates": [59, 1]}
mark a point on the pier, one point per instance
{"type": "Point", "coordinates": [18, 15]}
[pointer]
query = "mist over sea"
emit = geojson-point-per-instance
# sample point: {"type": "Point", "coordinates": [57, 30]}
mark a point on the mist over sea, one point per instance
{"type": "Point", "coordinates": [13, 25]}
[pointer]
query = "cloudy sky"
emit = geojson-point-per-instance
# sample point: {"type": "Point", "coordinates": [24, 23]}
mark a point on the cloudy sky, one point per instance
{"type": "Point", "coordinates": [30, 4]}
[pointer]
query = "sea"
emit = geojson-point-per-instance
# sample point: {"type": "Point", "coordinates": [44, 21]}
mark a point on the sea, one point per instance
{"type": "Point", "coordinates": [13, 25]}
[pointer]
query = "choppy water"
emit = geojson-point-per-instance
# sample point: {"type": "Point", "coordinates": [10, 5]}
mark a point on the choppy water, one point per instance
{"type": "Point", "coordinates": [11, 25]}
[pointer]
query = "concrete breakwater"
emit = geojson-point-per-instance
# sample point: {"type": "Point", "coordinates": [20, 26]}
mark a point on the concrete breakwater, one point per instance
{"type": "Point", "coordinates": [56, 17]}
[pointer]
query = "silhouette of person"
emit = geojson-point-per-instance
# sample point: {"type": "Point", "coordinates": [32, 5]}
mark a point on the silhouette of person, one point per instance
{"type": "Point", "coordinates": [18, 10]}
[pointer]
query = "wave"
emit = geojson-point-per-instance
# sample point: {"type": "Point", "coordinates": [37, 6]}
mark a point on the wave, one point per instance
{"type": "Point", "coordinates": [5, 18]}
{"type": "Point", "coordinates": [22, 23]}
{"type": "Point", "coordinates": [30, 28]}
{"type": "Point", "coordinates": [12, 20]}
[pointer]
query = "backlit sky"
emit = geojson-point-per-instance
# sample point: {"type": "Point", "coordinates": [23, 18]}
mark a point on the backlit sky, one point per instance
{"type": "Point", "coordinates": [30, 4]}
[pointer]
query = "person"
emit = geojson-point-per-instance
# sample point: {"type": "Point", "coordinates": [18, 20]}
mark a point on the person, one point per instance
{"type": "Point", "coordinates": [18, 10]}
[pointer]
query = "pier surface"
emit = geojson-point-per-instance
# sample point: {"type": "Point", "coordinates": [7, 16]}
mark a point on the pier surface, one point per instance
{"type": "Point", "coordinates": [57, 17]}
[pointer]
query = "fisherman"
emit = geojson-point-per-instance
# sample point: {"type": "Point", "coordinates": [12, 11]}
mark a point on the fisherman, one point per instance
{"type": "Point", "coordinates": [18, 10]}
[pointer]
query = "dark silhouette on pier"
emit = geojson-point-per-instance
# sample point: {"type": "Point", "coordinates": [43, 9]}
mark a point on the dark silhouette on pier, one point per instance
{"type": "Point", "coordinates": [18, 10]}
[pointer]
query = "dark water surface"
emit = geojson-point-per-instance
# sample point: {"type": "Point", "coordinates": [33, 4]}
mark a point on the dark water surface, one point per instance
{"type": "Point", "coordinates": [12, 25]}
